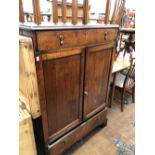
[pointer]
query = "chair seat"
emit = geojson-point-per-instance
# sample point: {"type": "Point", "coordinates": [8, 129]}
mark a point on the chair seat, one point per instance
{"type": "Point", "coordinates": [125, 71]}
{"type": "Point", "coordinates": [120, 78]}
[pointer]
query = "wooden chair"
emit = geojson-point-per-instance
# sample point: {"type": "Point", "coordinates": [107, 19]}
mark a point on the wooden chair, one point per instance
{"type": "Point", "coordinates": [125, 82]}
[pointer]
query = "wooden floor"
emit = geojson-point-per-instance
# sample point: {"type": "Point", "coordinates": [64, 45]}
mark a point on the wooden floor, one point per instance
{"type": "Point", "coordinates": [101, 141]}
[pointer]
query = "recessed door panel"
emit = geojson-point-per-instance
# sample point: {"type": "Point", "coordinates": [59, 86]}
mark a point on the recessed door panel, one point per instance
{"type": "Point", "coordinates": [63, 82]}
{"type": "Point", "coordinates": [98, 63]}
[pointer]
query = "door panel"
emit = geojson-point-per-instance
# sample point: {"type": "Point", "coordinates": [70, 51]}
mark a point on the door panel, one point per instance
{"type": "Point", "coordinates": [98, 62]}
{"type": "Point", "coordinates": [63, 81]}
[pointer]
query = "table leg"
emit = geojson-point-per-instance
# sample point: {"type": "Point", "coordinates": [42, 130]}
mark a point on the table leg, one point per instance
{"type": "Point", "coordinates": [113, 89]}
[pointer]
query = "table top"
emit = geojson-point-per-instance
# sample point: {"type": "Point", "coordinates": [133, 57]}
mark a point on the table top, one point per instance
{"type": "Point", "coordinates": [66, 26]}
{"type": "Point", "coordinates": [120, 65]}
{"type": "Point", "coordinates": [127, 30]}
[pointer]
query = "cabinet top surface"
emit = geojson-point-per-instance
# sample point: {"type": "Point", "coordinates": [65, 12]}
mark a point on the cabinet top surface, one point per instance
{"type": "Point", "coordinates": [32, 26]}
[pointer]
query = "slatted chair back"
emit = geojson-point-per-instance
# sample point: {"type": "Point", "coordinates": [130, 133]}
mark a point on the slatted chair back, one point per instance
{"type": "Point", "coordinates": [55, 4]}
{"type": "Point", "coordinates": [130, 77]}
{"type": "Point", "coordinates": [118, 12]}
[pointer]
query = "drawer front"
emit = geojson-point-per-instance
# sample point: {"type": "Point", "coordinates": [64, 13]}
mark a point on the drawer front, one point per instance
{"type": "Point", "coordinates": [51, 40]}
{"type": "Point", "coordinates": [100, 35]}
{"type": "Point", "coordinates": [47, 40]}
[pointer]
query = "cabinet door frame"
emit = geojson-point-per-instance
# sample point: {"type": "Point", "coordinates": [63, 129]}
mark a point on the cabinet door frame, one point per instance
{"type": "Point", "coordinates": [93, 49]}
{"type": "Point", "coordinates": [41, 86]}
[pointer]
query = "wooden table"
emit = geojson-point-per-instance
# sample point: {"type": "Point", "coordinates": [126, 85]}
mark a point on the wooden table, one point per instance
{"type": "Point", "coordinates": [119, 66]}
{"type": "Point", "coordinates": [127, 30]}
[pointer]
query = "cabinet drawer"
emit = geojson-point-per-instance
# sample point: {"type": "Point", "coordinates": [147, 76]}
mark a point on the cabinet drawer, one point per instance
{"type": "Point", "coordinates": [51, 40]}
{"type": "Point", "coordinates": [100, 35]}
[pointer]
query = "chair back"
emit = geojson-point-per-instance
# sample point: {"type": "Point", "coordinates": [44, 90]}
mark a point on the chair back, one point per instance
{"type": "Point", "coordinates": [130, 77]}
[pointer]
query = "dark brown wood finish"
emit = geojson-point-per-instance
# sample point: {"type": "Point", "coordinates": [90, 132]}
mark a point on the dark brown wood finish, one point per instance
{"type": "Point", "coordinates": [64, 11]}
{"type": "Point", "coordinates": [32, 35]}
{"type": "Point", "coordinates": [42, 98]}
{"type": "Point", "coordinates": [110, 73]}
{"type": "Point", "coordinates": [76, 134]}
{"type": "Point", "coordinates": [36, 11]}
{"type": "Point", "coordinates": [98, 61]}
{"type": "Point", "coordinates": [63, 82]}
{"type": "Point", "coordinates": [108, 5]}
{"type": "Point", "coordinates": [86, 12]}
{"type": "Point", "coordinates": [55, 11]}
{"type": "Point", "coordinates": [100, 35]}
{"type": "Point", "coordinates": [60, 39]}
{"type": "Point", "coordinates": [74, 12]}
{"type": "Point", "coordinates": [73, 38]}
{"type": "Point", "coordinates": [21, 11]}
{"type": "Point", "coordinates": [69, 61]}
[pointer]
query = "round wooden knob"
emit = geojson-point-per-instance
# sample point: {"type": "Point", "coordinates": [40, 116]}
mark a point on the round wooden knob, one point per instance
{"type": "Point", "coordinates": [86, 93]}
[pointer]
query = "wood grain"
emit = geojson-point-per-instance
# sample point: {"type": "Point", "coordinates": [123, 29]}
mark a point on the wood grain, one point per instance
{"type": "Point", "coordinates": [62, 86]}
{"type": "Point", "coordinates": [55, 11]}
{"type": "Point", "coordinates": [86, 11]}
{"type": "Point", "coordinates": [113, 49]}
{"type": "Point", "coordinates": [78, 133]}
{"type": "Point", "coordinates": [42, 99]}
{"type": "Point", "coordinates": [74, 12]}
{"type": "Point", "coordinates": [64, 11]}
{"type": "Point", "coordinates": [100, 35]}
{"type": "Point", "coordinates": [36, 11]}
{"type": "Point", "coordinates": [98, 61]}
{"type": "Point", "coordinates": [114, 12]}
{"type": "Point", "coordinates": [28, 85]}
{"type": "Point", "coordinates": [21, 11]}
{"type": "Point", "coordinates": [108, 5]}
{"type": "Point", "coordinates": [73, 76]}
{"type": "Point", "coordinates": [27, 144]}
{"type": "Point", "coordinates": [60, 54]}
{"type": "Point", "coordinates": [50, 40]}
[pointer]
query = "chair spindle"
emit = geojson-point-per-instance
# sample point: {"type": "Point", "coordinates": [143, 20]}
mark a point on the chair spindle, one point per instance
{"type": "Point", "coordinates": [74, 12]}
{"type": "Point", "coordinates": [21, 12]}
{"type": "Point", "coordinates": [55, 11]}
{"type": "Point", "coordinates": [64, 9]}
{"type": "Point", "coordinates": [36, 11]}
{"type": "Point", "coordinates": [86, 11]}
{"type": "Point", "coordinates": [108, 5]}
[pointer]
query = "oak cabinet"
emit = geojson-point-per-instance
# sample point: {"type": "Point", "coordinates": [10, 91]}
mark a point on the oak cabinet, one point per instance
{"type": "Point", "coordinates": [73, 67]}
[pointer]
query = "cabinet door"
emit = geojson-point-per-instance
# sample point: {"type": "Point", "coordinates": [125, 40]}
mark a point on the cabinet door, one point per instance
{"type": "Point", "coordinates": [98, 68]}
{"type": "Point", "coordinates": [63, 84]}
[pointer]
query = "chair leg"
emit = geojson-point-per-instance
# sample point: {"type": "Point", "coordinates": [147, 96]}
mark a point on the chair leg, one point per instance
{"type": "Point", "coordinates": [122, 100]}
{"type": "Point", "coordinates": [133, 94]}
{"type": "Point", "coordinates": [113, 90]}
